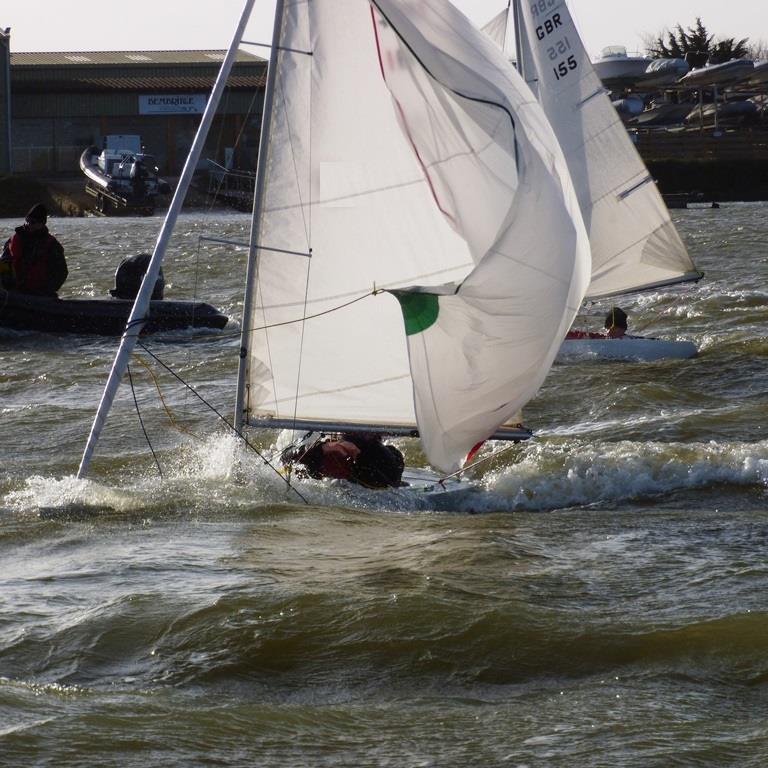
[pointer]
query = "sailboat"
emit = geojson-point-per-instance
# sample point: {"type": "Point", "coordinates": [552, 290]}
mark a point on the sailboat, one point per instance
{"type": "Point", "coordinates": [635, 245]}
{"type": "Point", "coordinates": [417, 251]}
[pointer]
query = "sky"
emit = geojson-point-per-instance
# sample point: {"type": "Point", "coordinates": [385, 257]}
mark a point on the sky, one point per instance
{"type": "Point", "coordinates": [51, 25]}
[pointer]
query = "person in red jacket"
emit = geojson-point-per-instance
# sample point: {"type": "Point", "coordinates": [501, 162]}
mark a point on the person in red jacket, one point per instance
{"type": "Point", "coordinates": [33, 259]}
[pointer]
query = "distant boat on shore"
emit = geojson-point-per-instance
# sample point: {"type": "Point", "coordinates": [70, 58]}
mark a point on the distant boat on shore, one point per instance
{"type": "Point", "coordinates": [121, 177]}
{"type": "Point", "coordinates": [617, 69]}
{"type": "Point", "coordinates": [727, 73]}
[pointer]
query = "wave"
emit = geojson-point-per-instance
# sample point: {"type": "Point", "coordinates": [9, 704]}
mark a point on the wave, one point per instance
{"type": "Point", "coordinates": [214, 477]}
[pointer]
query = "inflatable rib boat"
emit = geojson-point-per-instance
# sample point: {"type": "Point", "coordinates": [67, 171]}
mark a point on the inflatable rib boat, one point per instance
{"type": "Point", "coordinates": [105, 317]}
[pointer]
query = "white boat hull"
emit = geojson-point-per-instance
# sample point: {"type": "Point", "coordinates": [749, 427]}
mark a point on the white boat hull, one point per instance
{"type": "Point", "coordinates": [719, 74]}
{"type": "Point", "coordinates": [638, 348]}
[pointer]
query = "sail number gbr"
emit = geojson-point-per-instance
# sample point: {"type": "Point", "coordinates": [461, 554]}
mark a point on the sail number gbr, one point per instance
{"type": "Point", "coordinates": [557, 49]}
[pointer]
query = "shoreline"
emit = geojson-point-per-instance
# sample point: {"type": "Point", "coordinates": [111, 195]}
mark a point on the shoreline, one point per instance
{"type": "Point", "coordinates": [66, 196]}
{"type": "Point", "coordinates": [729, 167]}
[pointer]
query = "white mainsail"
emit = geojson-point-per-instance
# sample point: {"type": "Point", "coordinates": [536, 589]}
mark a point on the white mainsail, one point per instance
{"type": "Point", "coordinates": [407, 155]}
{"type": "Point", "coordinates": [634, 243]}
{"type": "Point", "coordinates": [496, 28]}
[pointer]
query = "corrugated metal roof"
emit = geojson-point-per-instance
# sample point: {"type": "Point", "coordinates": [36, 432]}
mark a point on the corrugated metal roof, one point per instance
{"type": "Point", "coordinates": [126, 58]}
{"type": "Point", "coordinates": [95, 84]}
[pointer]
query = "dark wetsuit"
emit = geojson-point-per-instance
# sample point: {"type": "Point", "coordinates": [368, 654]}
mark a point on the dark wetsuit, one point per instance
{"type": "Point", "coordinates": [37, 262]}
{"type": "Point", "coordinates": [375, 464]}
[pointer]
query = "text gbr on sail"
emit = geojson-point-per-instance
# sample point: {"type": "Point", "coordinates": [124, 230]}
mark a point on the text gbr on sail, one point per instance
{"type": "Point", "coordinates": [549, 26]}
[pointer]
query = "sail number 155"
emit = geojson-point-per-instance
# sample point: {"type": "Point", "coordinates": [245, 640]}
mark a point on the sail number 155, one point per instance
{"type": "Point", "coordinates": [564, 67]}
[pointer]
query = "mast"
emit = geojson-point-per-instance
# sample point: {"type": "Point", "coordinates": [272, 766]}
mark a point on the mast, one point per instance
{"type": "Point", "coordinates": [515, 4]}
{"type": "Point", "coordinates": [525, 65]}
{"type": "Point", "coordinates": [256, 217]}
{"type": "Point", "coordinates": [140, 310]}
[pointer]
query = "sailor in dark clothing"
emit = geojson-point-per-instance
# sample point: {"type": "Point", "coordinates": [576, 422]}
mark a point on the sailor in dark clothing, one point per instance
{"type": "Point", "coordinates": [360, 458]}
{"type": "Point", "coordinates": [33, 259]}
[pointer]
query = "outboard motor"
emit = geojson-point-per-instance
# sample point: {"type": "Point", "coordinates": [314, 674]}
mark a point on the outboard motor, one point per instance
{"type": "Point", "coordinates": [129, 274]}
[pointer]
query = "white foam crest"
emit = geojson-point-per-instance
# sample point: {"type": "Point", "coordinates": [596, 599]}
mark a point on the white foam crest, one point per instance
{"type": "Point", "coordinates": [577, 474]}
{"type": "Point", "coordinates": [49, 493]}
{"type": "Point", "coordinates": [218, 474]}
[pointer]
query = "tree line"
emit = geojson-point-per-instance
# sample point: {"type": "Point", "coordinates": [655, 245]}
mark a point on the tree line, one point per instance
{"type": "Point", "coordinates": [697, 41]}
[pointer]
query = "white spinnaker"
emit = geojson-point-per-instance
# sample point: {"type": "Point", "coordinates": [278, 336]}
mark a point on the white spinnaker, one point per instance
{"type": "Point", "coordinates": [393, 181]}
{"type": "Point", "coordinates": [493, 340]}
{"type": "Point", "coordinates": [634, 243]}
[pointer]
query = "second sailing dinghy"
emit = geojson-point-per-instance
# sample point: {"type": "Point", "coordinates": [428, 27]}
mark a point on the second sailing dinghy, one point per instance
{"type": "Point", "coordinates": [417, 250]}
{"type": "Point", "coordinates": [635, 245]}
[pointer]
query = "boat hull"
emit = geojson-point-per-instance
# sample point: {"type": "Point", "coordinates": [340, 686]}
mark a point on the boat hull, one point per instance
{"type": "Point", "coordinates": [103, 317]}
{"type": "Point", "coordinates": [719, 74]}
{"type": "Point", "coordinates": [115, 195]}
{"type": "Point", "coordinates": [640, 348]}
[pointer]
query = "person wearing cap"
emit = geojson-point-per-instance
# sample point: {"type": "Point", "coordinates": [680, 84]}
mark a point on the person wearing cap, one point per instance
{"type": "Point", "coordinates": [33, 259]}
{"type": "Point", "coordinates": [615, 327]}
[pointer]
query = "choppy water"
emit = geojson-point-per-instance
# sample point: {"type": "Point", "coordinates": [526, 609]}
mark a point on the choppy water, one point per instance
{"type": "Point", "coordinates": [606, 608]}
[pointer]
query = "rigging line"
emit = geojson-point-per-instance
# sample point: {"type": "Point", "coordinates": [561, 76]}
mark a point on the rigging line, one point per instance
{"type": "Point", "coordinates": [307, 217]}
{"type": "Point", "coordinates": [225, 420]}
{"type": "Point", "coordinates": [639, 328]}
{"type": "Point", "coordinates": [166, 408]}
{"type": "Point", "coordinates": [279, 47]}
{"type": "Point", "coordinates": [374, 292]}
{"type": "Point", "coordinates": [301, 344]}
{"type": "Point", "coordinates": [293, 154]}
{"type": "Point", "coordinates": [236, 146]}
{"type": "Point", "coordinates": [141, 421]}
{"type": "Point", "coordinates": [477, 463]}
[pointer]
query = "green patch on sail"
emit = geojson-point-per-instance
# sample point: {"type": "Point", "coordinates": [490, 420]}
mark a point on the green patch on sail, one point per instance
{"type": "Point", "coordinates": [420, 310]}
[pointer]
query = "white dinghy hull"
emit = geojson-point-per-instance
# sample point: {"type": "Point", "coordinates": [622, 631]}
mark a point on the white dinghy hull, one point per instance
{"type": "Point", "coordinates": [639, 348]}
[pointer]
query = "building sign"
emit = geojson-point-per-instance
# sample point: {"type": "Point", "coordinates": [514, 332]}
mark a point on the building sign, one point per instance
{"type": "Point", "coordinates": [173, 104]}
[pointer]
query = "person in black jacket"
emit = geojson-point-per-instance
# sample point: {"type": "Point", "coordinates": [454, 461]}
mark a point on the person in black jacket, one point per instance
{"type": "Point", "coordinates": [33, 259]}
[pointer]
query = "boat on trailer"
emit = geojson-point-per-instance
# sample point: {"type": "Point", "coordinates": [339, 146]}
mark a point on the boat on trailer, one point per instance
{"type": "Point", "coordinates": [121, 177]}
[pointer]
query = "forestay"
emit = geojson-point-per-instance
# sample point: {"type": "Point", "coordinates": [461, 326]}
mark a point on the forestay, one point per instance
{"type": "Point", "coordinates": [634, 243]}
{"type": "Point", "coordinates": [407, 155]}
